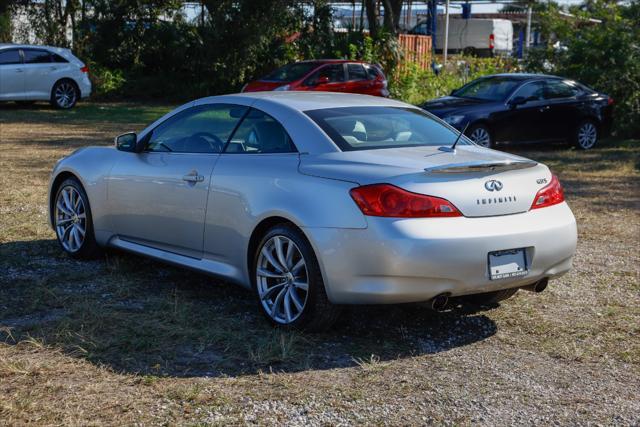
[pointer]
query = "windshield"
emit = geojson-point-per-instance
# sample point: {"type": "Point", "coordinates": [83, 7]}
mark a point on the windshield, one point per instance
{"type": "Point", "coordinates": [367, 128]}
{"type": "Point", "coordinates": [490, 89]}
{"type": "Point", "coordinates": [291, 72]}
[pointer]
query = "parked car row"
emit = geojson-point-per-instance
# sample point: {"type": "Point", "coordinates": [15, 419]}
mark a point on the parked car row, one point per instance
{"type": "Point", "coordinates": [492, 109]}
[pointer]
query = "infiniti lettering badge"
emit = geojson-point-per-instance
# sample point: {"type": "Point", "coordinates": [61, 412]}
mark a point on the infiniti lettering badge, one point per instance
{"type": "Point", "coordinates": [493, 185]}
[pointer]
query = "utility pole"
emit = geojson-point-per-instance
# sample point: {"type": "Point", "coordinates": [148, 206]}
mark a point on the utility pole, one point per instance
{"type": "Point", "coordinates": [446, 34]}
{"type": "Point", "coordinates": [528, 35]}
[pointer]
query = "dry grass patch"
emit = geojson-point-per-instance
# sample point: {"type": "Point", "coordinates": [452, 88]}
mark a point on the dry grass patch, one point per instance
{"type": "Point", "coordinates": [126, 340]}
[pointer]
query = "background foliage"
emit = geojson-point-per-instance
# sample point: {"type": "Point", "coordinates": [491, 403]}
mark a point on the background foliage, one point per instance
{"type": "Point", "coordinates": [141, 49]}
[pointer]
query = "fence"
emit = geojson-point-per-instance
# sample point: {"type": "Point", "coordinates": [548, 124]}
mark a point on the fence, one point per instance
{"type": "Point", "coordinates": [417, 49]}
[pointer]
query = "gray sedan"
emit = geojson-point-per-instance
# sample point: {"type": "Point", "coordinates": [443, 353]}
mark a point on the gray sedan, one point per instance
{"type": "Point", "coordinates": [316, 200]}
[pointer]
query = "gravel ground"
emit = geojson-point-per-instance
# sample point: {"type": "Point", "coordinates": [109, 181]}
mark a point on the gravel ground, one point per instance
{"type": "Point", "coordinates": [130, 341]}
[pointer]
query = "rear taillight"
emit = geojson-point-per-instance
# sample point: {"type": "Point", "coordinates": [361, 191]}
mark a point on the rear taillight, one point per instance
{"type": "Point", "coordinates": [492, 40]}
{"type": "Point", "coordinates": [610, 101]}
{"type": "Point", "coordinates": [550, 195]}
{"type": "Point", "coordinates": [390, 201]}
{"type": "Point", "coordinates": [84, 69]}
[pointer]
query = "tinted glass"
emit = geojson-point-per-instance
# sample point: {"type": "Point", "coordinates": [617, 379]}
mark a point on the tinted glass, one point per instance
{"type": "Point", "coordinates": [491, 89]}
{"type": "Point", "coordinates": [58, 58]}
{"type": "Point", "coordinates": [559, 89]}
{"type": "Point", "coordinates": [373, 72]}
{"type": "Point", "coordinates": [291, 72]}
{"type": "Point", "coordinates": [260, 133]}
{"type": "Point", "coordinates": [356, 72]}
{"type": "Point", "coordinates": [32, 56]}
{"type": "Point", "coordinates": [202, 129]}
{"type": "Point", "coordinates": [366, 128]}
{"type": "Point", "coordinates": [334, 72]}
{"type": "Point", "coordinates": [532, 91]}
{"type": "Point", "coordinates": [10, 57]}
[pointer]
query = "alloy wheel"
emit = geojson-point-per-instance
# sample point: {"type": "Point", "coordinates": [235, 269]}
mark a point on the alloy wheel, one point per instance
{"type": "Point", "coordinates": [587, 135]}
{"type": "Point", "coordinates": [282, 279]}
{"type": "Point", "coordinates": [481, 137]}
{"type": "Point", "coordinates": [70, 219]}
{"type": "Point", "coordinates": [65, 95]}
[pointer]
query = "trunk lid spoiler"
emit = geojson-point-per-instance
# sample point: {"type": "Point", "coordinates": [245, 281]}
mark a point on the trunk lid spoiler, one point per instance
{"type": "Point", "coordinates": [482, 166]}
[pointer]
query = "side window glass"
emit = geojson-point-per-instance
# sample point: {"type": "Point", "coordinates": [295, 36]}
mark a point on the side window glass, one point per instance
{"type": "Point", "coordinates": [531, 91]}
{"type": "Point", "coordinates": [372, 72]}
{"type": "Point", "coordinates": [356, 72]}
{"type": "Point", "coordinates": [57, 58]}
{"type": "Point", "coordinates": [201, 129]}
{"type": "Point", "coordinates": [333, 73]}
{"type": "Point", "coordinates": [557, 89]}
{"type": "Point", "coordinates": [11, 56]}
{"type": "Point", "coordinates": [260, 133]}
{"type": "Point", "coordinates": [32, 56]}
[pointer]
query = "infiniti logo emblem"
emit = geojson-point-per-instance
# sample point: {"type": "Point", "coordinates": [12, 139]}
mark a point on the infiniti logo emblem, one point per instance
{"type": "Point", "coordinates": [493, 185]}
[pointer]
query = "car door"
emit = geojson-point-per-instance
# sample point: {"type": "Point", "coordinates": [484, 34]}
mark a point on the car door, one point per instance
{"type": "Point", "coordinates": [11, 75]}
{"type": "Point", "coordinates": [158, 197]}
{"type": "Point", "coordinates": [519, 122]}
{"type": "Point", "coordinates": [358, 81]}
{"type": "Point", "coordinates": [39, 73]}
{"type": "Point", "coordinates": [562, 112]}
{"type": "Point", "coordinates": [257, 168]}
{"type": "Point", "coordinates": [329, 78]}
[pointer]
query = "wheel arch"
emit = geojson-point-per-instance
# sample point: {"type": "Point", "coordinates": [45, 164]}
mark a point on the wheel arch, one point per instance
{"type": "Point", "coordinates": [55, 184]}
{"type": "Point", "coordinates": [70, 79]}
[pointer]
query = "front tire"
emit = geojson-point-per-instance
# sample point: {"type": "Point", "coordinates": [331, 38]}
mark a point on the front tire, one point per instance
{"type": "Point", "coordinates": [288, 283]}
{"type": "Point", "coordinates": [65, 94]}
{"type": "Point", "coordinates": [73, 222]}
{"type": "Point", "coordinates": [481, 135]}
{"type": "Point", "coordinates": [586, 135]}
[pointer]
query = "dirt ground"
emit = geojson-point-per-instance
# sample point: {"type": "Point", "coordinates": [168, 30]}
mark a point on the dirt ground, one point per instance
{"type": "Point", "coordinates": [125, 340]}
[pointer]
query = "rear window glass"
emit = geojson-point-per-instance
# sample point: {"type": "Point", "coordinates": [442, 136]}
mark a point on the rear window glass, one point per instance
{"type": "Point", "coordinates": [32, 56]}
{"type": "Point", "coordinates": [10, 57]}
{"type": "Point", "coordinates": [356, 72]}
{"type": "Point", "coordinates": [58, 58]}
{"type": "Point", "coordinates": [488, 89]}
{"type": "Point", "coordinates": [367, 128]}
{"type": "Point", "coordinates": [291, 72]}
{"type": "Point", "coordinates": [373, 72]}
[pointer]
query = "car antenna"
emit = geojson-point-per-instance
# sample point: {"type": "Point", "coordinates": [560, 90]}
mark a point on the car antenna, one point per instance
{"type": "Point", "coordinates": [452, 149]}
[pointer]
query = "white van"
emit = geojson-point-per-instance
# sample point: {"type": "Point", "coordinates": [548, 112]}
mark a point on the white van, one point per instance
{"type": "Point", "coordinates": [42, 73]}
{"type": "Point", "coordinates": [482, 37]}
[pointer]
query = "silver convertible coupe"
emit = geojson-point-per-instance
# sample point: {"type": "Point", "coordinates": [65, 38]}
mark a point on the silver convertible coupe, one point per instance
{"type": "Point", "coordinates": [314, 200]}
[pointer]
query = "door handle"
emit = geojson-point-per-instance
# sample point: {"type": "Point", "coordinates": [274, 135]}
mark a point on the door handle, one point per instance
{"type": "Point", "coordinates": [545, 108]}
{"type": "Point", "coordinates": [193, 177]}
{"type": "Point", "coordinates": [19, 70]}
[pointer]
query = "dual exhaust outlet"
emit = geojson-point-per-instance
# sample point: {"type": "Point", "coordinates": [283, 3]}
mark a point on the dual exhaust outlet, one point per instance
{"type": "Point", "coordinates": [440, 302]}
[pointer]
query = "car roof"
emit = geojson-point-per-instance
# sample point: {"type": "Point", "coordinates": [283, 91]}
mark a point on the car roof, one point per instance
{"type": "Point", "coordinates": [330, 61]}
{"type": "Point", "coordinates": [522, 76]}
{"type": "Point", "coordinates": [309, 100]}
{"type": "Point", "coordinates": [30, 46]}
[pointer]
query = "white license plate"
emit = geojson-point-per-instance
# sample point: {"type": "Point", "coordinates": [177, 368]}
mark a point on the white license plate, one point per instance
{"type": "Point", "coordinates": [507, 264]}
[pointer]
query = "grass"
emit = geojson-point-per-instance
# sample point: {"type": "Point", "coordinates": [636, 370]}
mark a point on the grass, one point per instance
{"type": "Point", "coordinates": [132, 340]}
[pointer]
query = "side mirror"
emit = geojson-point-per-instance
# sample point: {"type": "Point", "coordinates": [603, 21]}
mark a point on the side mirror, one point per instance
{"type": "Point", "coordinates": [127, 142]}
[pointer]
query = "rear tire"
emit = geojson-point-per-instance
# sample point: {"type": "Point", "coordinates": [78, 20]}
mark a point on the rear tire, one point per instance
{"type": "Point", "coordinates": [287, 281]}
{"type": "Point", "coordinates": [72, 220]}
{"type": "Point", "coordinates": [65, 94]}
{"type": "Point", "coordinates": [481, 135]}
{"type": "Point", "coordinates": [586, 135]}
{"type": "Point", "coordinates": [491, 298]}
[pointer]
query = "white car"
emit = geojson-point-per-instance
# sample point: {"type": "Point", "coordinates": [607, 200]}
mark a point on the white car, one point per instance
{"type": "Point", "coordinates": [42, 73]}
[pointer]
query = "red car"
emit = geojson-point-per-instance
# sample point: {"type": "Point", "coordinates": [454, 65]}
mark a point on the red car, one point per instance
{"type": "Point", "coordinates": [330, 75]}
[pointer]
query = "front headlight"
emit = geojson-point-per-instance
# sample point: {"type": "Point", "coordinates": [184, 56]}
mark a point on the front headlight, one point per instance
{"type": "Point", "coordinates": [453, 120]}
{"type": "Point", "coordinates": [285, 87]}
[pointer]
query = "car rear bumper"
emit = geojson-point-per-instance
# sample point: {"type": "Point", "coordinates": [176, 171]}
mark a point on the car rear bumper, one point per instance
{"type": "Point", "coordinates": [84, 84]}
{"type": "Point", "coordinates": [412, 260]}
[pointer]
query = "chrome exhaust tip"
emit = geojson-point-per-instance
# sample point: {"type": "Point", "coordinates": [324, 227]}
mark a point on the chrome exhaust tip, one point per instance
{"type": "Point", "coordinates": [439, 302]}
{"type": "Point", "coordinates": [537, 287]}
